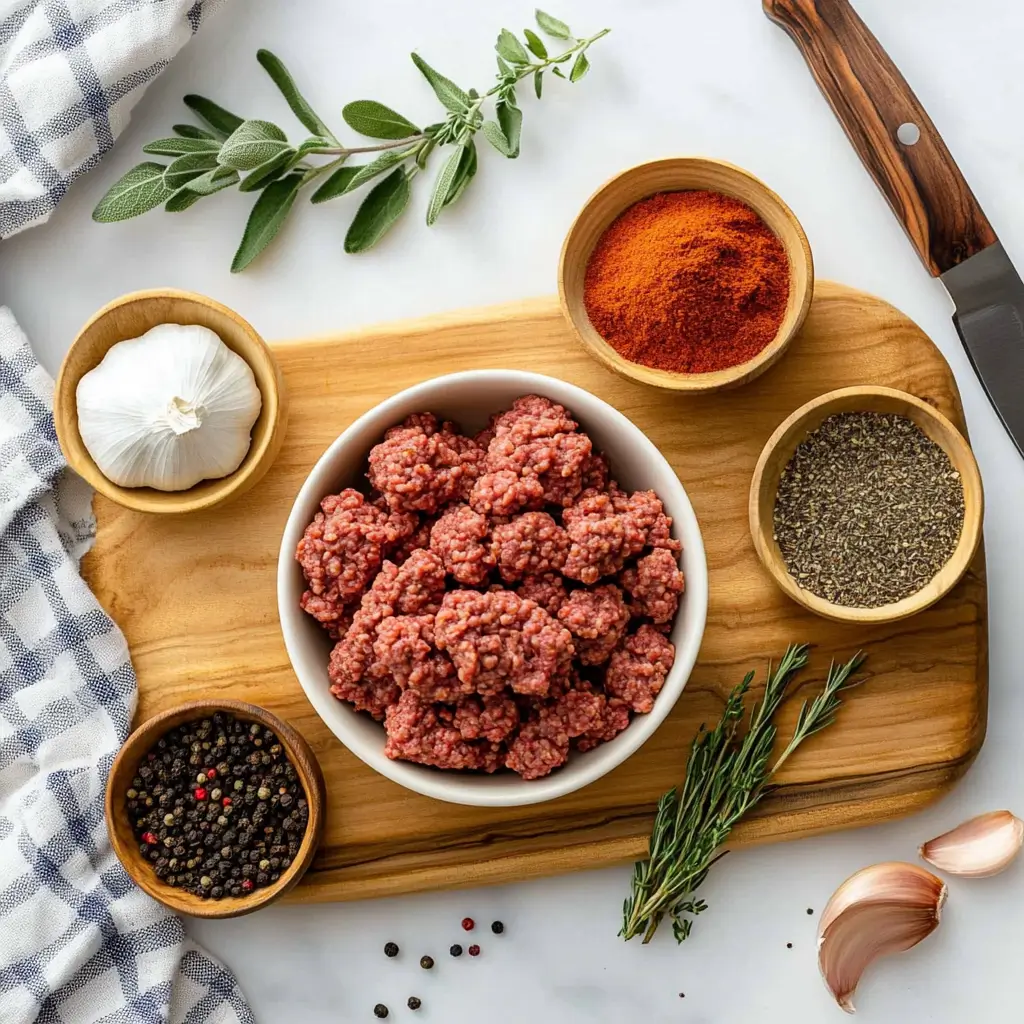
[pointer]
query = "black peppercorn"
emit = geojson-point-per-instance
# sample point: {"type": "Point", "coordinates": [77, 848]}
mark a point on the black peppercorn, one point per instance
{"type": "Point", "coordinates": [426, 962]}
{"type": "Point", "coordinates": [456, 950]}
{"type": "Point", "coordinates": [380, 1010]}
{"type": "Point", "coordinates": [390, 950]}
{"type": "Point", "coordinates": [414, 1003]}
{"type": "Point", "coordinates": [497, 927]}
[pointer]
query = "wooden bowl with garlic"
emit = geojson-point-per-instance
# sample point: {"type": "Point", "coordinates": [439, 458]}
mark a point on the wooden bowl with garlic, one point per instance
{"type": "Point", "coordinates": [169, 402]}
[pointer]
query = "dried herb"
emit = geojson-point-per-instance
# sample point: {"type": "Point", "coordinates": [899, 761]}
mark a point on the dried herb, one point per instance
{"type": "Point", "coordinates": [208, 159]}
{"type": "Point", "coordinates": [727, 774]}
{"type": "Point", "coordinates": [868, 510]}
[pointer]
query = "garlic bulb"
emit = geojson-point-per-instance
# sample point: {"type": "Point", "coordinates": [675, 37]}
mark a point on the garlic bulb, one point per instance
{"type": "Point", "coordinates": [883, 909]}
{"type": "Point", "coordinates": [169, 409]}
{"type": "Point", "coordinates": [978, 848]}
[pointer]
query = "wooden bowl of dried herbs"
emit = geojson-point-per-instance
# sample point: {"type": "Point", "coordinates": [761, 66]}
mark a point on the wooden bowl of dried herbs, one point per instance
{"type": "Point", "coordinates": [866, 505]}
{"type": "Point", "coordinates": [215, 808]}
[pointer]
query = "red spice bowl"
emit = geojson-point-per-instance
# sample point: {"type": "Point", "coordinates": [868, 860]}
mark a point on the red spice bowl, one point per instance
{"type": "Point", "coordinates": [683, 174]}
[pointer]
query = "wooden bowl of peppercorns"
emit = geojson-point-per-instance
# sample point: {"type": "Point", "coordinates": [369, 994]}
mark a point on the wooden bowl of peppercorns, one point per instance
{"type": "Point", "coordinates": [215, 808]}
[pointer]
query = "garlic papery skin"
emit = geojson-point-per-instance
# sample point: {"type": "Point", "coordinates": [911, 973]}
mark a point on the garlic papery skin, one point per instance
{"type": "Point", "coordinates": [978, 848]}
{"type": "Point", "coordinates": [887, 908]}
{"type": "Point", "coordinates": [168, 409]}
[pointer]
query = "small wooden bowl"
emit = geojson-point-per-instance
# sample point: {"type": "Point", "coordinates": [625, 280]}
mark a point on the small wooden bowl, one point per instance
{"type": "Point", "coordinates": [131, 316]}
{"type": "Point", "coordinates": [777, 454]}
{"type": "Point", "coordinates": [126, 764]}
{"type": "Point", "coordinates": [675, 175]}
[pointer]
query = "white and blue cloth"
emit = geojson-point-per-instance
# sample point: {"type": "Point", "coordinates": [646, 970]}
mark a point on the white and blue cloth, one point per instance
{"type": "Point", "coordinates": [79, 943]}
{"type": "Point", "coordinates": [70, 73]}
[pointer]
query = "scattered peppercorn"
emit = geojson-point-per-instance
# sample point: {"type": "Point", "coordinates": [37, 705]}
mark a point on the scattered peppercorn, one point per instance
{"type": "Point", "coordinates": [456, 950]}
{"type": "Point", "coordinates": [414, 1003]}
{"type": "Point", "coordinates": [390, 949]}
{"type": "Point", "coordinates": [205, 842]}
{"type": "Point", "coordinates": [809, 910]}
{"type": "Point", "coordinates": [380, 1010]}
{"type": "Point", "coordinates": [497, 927]}
{"type": "Point", "coordinates": [789, 945]}
{"type": "Point", "coordinates": [468, 924]}
{"type": "Point", "coordinates": [426, 962]}
{"type": "Point", "coordinates": [474, 950]}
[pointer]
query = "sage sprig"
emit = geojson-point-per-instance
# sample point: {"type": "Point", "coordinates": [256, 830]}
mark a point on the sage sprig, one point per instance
{"type": "Point", "coordinates": [727, 775]}
{"type": "Point", "coordinates": [256, 155]}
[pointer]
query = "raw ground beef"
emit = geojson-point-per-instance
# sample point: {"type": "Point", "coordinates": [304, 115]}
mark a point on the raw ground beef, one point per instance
{"type": "Point", "coordinates": [498, 600]}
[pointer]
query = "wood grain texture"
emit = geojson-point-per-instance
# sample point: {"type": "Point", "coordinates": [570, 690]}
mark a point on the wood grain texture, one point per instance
{"type": "Point", "coordinates": [196, 598]}
{"type": "Point", "coordinates": [674, 175]}
{"type": "Point", "coordinates": [872, 100]}
{"type": "Point", "coordinates": [122, 837]}
{"type": "Point", "coordinates": [778, 452]}
{"type": "Point", "coordinates": [131, 316]}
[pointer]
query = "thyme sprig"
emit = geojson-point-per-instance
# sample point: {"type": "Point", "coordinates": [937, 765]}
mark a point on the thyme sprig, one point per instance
{"type": "Point", "coordinates": [215, 157]}
{"type": "Point", "coordinates": [727, 774]}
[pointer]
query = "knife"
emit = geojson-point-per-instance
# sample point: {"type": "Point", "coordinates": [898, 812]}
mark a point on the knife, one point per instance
{"type": "Point", "coordinates": [910, 163]}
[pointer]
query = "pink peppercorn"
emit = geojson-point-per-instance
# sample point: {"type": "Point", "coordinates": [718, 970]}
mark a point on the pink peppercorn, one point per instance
{"type": "Point", "coordinates": [247, 884]}
{"type": "Point", "coordinates": [211, 773]}
{"type": "Point", "coordinates": [474, 950]}
{"type": "Point", "coordinates": [200, 793]}
{"type": "Point", "coordinates": [149, 837]}
{"type": "Point", "coordinates": [226, 801]}
{"type": "Point", "coordinates": [468, 924]}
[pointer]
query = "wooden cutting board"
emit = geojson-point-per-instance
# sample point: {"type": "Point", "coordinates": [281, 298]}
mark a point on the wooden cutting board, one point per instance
{"type": "Point", "coordinates": [196, 598]}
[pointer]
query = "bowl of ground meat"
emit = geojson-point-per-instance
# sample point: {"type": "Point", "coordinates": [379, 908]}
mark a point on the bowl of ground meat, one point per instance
{"type": "Point", "coordinates": [492, 588]}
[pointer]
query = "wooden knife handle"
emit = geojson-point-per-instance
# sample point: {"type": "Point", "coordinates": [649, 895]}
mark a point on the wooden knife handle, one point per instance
{"type": "Point", "coordinates": [872, 100]}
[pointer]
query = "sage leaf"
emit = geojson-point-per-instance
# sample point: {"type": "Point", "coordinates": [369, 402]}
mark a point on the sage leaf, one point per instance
{"type": "Point", "coordinates": [554, 28]}
{"type": "Point", "coordinates": [465, 173]}
{"type": "Point", "coordinates": [205, 185]}
{"type": "Point", "coordinates": [212, 181]}
{"type": "Point", "coordinates": [535, 43]}
{"type": "Point", "coordinates": [509, 47]}
{"type": "Point", "coordinates": [182, 200]}
{"type": "Point", "coordinates": [252, 143]}
{"type": "Point", "coordinates": [496, 137]}
{"type": "Point", "coordinates": [187, 167]}
{"type": "Point", "coordinates": [180, 146]}
{"type": "Point", "coordinates": [265, 221]}
{"type": "Point", "coordinates": [282, 78]}
{"type": "Point", "coordinates": [373, 119]}
{"type": "Point", "coordinates": [538, 82]}
{"type": "Point", "coordinates": [337, 184]}
{"type": "Point", "coordinates": [222, 121]}
{"type": "Point", "coordinates": [510, 118]}
{"type": "Point", "coordinates": [579, 68]}
{"type": "Point", "coordinates": [190, 131]}
{"type": "Point", "coordinates": [451, 96]}
{"type": "Point", "coordinates": [383, 205]}
{"type": "Point", "coordinates": [443, 184]}
{"type": "Point", "coordinates": [269, 171]}
{"type": "Point", "coordinates": [388, 159]}
{"type": "Point", "coordinates": [141, 189]}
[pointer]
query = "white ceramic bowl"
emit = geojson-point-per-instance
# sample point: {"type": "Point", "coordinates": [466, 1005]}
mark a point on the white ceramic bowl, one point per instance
{"type": "Point", "coordinates": [469, 398]}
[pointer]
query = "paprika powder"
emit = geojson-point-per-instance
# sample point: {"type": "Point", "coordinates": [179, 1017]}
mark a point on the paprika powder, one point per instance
{"type": "Point", "coordinates": [689, 282]}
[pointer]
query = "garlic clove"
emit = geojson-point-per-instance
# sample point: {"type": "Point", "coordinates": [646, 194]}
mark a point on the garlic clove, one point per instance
{"type": "Point", "coordinates": [978, 848]}
{"type": "Point", "coordinates": [883, 909]}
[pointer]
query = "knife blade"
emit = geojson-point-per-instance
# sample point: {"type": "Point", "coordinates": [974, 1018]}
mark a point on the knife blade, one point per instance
{"type": "Point", "coordinates": [904, 153]}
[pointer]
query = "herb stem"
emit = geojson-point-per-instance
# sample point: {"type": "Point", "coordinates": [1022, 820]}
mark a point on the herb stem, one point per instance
{"type": "Point", "coordinates": [726, 776]}
{"type": "Point", "coordinates": [346, 151]}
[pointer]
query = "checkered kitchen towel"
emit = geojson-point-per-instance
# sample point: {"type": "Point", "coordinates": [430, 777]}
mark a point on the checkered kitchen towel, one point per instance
{"type": "Point", "coordinates": [79, 943]}
{"type": "Point", "coordinates": [70, 73]}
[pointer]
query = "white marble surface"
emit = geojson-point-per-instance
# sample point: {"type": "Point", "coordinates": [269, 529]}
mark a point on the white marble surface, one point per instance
{"type": "Point", "coordinates": [676, 76]}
